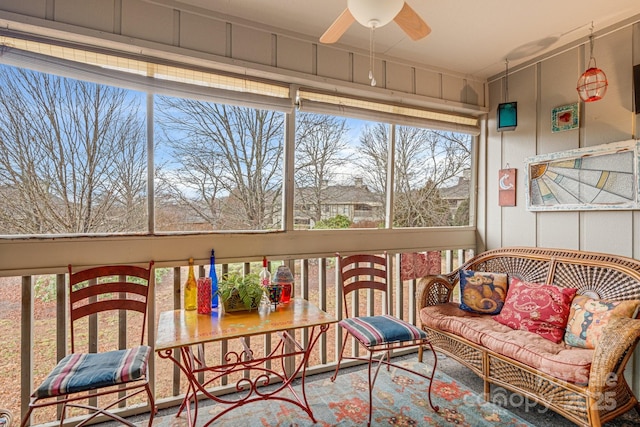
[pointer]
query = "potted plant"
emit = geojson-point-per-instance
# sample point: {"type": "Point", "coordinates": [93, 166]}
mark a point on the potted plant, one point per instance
{"type": "Point", "coordinates": [240, 292]}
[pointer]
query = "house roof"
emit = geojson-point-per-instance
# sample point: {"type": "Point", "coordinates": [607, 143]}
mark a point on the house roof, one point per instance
{"type": "Point", "coordinates": [458, 191]}
{"type": "Point", "coordinates": [345, 194]}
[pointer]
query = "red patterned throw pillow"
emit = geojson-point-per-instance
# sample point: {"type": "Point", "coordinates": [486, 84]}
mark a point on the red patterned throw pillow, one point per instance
{"type": "Point", "coordinates": [543, 309]}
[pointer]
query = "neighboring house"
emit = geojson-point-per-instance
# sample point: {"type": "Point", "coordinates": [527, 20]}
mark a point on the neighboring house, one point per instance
{"type": "Point", "coordinates": [356, 202]}
{"type": "Point", "coordinates": [457, 193]}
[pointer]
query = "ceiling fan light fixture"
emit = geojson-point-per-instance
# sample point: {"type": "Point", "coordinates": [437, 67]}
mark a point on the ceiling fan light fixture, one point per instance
{"type": "Point", "coordinates": [374, 13]}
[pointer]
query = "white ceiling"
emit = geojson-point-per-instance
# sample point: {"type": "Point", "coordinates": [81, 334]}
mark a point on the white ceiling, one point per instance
{"type": "Point", "coordinates": [470, 37]}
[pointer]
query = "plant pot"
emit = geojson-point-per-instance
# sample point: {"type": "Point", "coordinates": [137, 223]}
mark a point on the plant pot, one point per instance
{"type": "Point", "coordinates": [234, 303]}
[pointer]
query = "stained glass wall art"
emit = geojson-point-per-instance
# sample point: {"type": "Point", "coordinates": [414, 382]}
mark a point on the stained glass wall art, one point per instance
{"type": "Point", "coordinates": [602, 177]}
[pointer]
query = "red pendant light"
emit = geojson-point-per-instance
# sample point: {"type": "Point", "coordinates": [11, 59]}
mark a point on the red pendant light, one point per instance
{"type": "Point", "coordinates": [592, 84]}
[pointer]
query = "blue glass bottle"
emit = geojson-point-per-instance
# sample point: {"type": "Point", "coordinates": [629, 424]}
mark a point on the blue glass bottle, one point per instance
{"type": "Point", "coordinates": [214, 280]}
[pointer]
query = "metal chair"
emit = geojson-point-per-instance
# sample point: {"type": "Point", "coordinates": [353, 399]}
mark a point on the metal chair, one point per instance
{"type": "Point", "coordinates": [117, 369]}
{"type": "Point", "coordinates": [379, 335]}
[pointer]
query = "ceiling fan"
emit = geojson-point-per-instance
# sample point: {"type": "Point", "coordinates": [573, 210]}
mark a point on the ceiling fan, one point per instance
{"type": "Point", "coordinates": [374, 14]}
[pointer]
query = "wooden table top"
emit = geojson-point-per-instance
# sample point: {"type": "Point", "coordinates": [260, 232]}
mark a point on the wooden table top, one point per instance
{"type": "Point", "coordinates": [178, 328]}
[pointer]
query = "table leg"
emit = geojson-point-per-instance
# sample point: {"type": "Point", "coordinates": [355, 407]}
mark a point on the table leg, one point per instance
{"type": "Point", "coordinates": [187, 368]}
{"type": "Point", "coordinates": [191, 366]}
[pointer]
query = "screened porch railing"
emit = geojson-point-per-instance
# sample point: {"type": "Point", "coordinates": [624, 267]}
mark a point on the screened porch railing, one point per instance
{"type": "Point", "coordinates": [43, 326]}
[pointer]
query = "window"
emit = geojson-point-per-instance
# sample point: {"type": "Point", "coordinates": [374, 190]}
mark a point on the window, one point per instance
{"type": "Point", "coordinates": [72, 156]}
{"type": "Point", "coordinates": [432, 182]}
{"type": "Point", "coordinates": [74, 151]}
{"type": "Point", "coordinates": [337, 184]}
{"type": "Point", "coordinates": [218, 167]}
{"type": "Point", "coordinates": [432, 152]}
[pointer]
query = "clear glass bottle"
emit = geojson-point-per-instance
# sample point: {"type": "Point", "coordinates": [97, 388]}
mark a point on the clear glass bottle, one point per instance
{"type": "Point", "coordinates": [265, 274]}
{"type": "Point", "coordinates": [190, 289]}
{"type": "Point", "coordinates": [214, 280]}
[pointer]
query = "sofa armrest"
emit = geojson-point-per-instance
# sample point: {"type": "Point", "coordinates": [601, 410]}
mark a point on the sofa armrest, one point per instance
{"type": "Point", "coordinates": [433, 290]}
{"type": "Point", "coordinates": [619, 339]}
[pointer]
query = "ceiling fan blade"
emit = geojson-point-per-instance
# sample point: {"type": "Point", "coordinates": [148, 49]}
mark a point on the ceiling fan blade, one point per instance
{"type": "Point", "coordinates": [338, 28]}
{"type": "Point", "coordinates": [411, 23]}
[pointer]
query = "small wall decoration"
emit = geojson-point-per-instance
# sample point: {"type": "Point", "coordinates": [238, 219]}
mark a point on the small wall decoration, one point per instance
{"type": "Point", "coordinates": [507, 116]}
{"type": "Point", "coordinates": [603, 177]}
{"type": "Point", "coordinates": [565, 117]}
{"type": "Point", "coordinates": [507, 187]}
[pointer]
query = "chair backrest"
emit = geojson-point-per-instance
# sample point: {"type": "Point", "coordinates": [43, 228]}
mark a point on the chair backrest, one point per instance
{"type": "Point", "coordinates": [362, 271]}
{"type": "Point", "coordinates": [117, 290]}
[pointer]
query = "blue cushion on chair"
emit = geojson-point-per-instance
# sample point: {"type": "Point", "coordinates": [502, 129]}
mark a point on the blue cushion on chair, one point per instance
{"type": "Point", "coordinates": [374, 330]}
{"type": "Point", "coordinates": [86, 371]}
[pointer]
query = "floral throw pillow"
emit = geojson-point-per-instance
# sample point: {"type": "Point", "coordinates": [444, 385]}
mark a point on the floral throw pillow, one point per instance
{"type": "Point", "coordinates": [482, 292]}
{"type": "Point", "coordinates": [589, 316]}
{"type": "Point", "coordinates": [538, 308]}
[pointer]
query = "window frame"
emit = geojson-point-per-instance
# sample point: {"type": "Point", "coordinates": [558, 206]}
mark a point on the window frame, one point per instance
{"type": "Point", "coordinates": [392, 113]}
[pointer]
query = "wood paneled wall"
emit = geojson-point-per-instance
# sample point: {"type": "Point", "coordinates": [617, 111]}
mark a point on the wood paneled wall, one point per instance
{"type": "Point", "coordinates": [538, 89]}
{"type": "Point", "coordinates": [195, 35]}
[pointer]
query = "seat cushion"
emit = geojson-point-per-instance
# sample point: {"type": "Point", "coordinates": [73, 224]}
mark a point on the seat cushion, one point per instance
{"type": "Point", "coordinates": [451, 318]}
{"type": "Point", "coordinates": [375, 330]}
{"type": "Point", "coordinates": [556, 359]}
{"type": "Point", "coordinates": [87, 371]}
{"type": "Point", "coordinates": [559, 360]}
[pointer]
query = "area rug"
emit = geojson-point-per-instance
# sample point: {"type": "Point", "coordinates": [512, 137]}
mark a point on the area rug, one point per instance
{"type": "Point", "coordinates": [400, 399]}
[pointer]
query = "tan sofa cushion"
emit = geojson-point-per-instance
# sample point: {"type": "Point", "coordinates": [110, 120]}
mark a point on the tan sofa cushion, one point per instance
{"type": "Point", "coordinates": [559, 360]}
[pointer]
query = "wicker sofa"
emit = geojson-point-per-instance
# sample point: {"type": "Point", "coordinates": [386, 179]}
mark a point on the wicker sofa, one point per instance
{"type": "Point", "coordinates": [525, 362]}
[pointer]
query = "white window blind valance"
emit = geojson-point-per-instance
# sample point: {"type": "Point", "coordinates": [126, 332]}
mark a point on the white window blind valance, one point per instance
{"type": "Point", "coordinates": [323, 103]}
{"type": "Point", "coordinates": [206, 85]}
{"type": "Point", "coordinates": [141, 75]}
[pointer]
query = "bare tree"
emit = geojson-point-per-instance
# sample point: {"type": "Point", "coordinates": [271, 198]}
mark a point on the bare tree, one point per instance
{"type": "Point", "coordinates": [72, 156]}
{"type": "Point", "coordinates": [226, 162]}
{"type": "Point", "coordinates": [427, 161]}
{"type": "Point", "coordinates": [374, 143]}
{"type": "Point", "coordinates": [320, 148]}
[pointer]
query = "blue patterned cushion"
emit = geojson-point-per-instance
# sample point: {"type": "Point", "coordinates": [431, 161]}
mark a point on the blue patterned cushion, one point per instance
{"type": "Point", "coordinates": [374, 330]}
{"type": "Point", "coordinates": [86, 371]}
{"type": "Point", "coordinates": [482, 292]}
